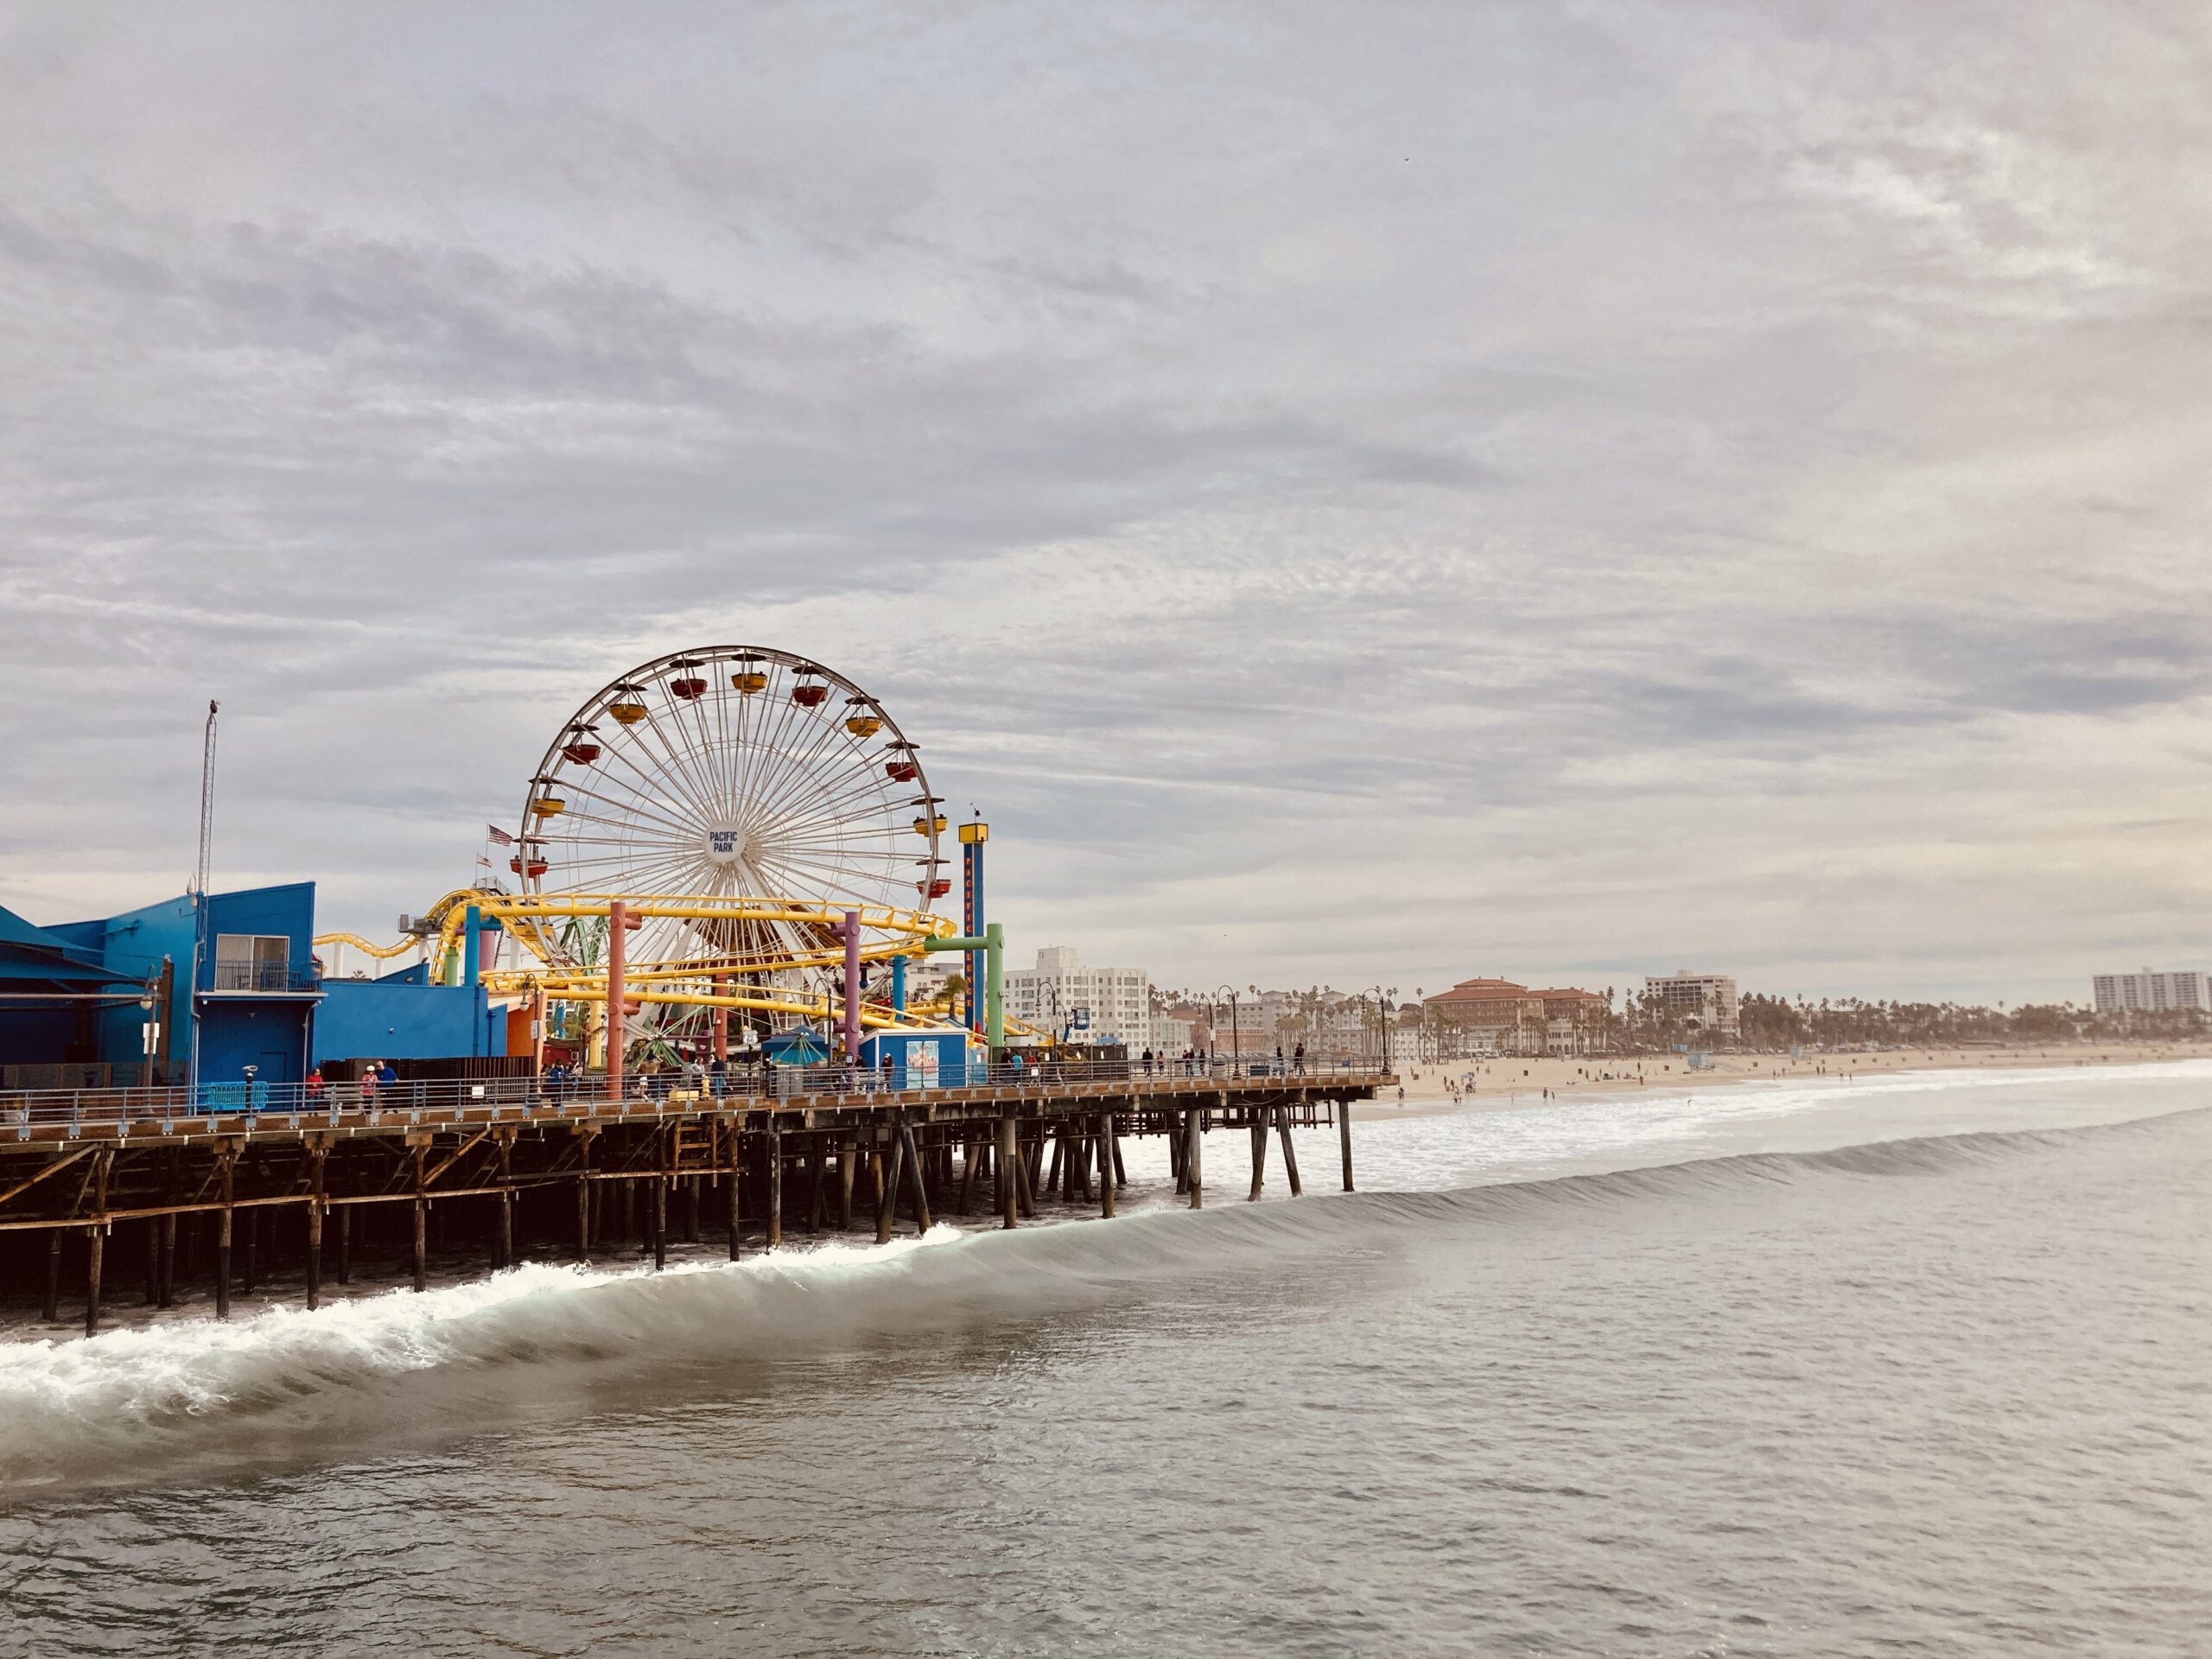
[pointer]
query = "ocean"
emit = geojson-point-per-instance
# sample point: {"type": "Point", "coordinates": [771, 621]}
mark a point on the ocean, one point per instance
{"type": "Point", "coordinates": [1919, 1366]}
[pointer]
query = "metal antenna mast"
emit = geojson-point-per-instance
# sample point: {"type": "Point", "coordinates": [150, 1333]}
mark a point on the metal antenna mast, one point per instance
{"type": "Point", "coordinates": [207, 800]}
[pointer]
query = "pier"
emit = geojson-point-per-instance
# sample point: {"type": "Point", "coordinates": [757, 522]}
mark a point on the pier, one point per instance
{"type": "Point", "coordinates": [120, 1193]}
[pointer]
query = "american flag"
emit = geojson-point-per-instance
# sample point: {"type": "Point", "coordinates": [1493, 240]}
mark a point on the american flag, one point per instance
{"type": "Point", "coordinates": [499, 837]}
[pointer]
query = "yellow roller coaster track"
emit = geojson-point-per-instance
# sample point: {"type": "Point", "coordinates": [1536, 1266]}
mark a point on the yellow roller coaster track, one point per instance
{"type": "Point", "coordinates": [523, 917]}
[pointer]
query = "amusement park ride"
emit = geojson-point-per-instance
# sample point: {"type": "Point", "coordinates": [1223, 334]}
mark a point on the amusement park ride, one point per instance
{"type": "Point", "coordinates": [728, 828]}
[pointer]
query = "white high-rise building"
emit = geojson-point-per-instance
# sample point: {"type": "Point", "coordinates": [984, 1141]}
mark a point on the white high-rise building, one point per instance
{"type": "Point", "coordinates": [1709, 999]}
{"type": "Point", "coordinates": [2149, 993]}
{"type": "Point", "coordinates": [1059, 993]}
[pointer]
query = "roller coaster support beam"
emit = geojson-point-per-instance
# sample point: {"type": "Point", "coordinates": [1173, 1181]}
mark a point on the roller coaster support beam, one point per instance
{"type": "Point", "coordinates": [993, 945]}
{"type": "Point", "coordinates": [898, 984]}
{"type": "Point", "coordinates": [618, 950]}
{"type": "Point", "coordinates": [852, 931]}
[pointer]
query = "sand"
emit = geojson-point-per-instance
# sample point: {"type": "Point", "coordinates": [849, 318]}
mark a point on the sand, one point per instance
{"type": "Point", "coordinates": [1430, 1087]}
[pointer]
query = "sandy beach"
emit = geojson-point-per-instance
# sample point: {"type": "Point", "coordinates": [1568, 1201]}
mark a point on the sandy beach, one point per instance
{"type": "Point", "coordinates": [1442, 1087]}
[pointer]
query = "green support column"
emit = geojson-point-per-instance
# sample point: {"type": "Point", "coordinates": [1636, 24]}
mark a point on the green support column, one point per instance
{"type": "Point", "coordinates": [993, 945]}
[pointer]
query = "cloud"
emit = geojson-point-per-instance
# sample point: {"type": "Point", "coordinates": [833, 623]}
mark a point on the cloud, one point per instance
{"type": "Point", "coordinates": [1572, 491]}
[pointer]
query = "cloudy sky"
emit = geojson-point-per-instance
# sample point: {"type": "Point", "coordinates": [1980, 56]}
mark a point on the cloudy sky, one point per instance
{"type": "Point", "coordinates": [1355, 493]}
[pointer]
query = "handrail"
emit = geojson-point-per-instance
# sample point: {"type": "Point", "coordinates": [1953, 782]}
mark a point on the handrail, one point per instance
{"type": "Point", "coordinates": [24, 1110]}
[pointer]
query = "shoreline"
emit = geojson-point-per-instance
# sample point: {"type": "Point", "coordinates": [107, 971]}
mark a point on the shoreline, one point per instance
{"type": "Point", "coordinates": [1509, 1082]}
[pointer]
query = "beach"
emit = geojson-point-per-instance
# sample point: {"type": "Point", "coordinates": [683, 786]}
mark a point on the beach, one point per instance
{"type": "Point", "coordinates": [1513, 1079]}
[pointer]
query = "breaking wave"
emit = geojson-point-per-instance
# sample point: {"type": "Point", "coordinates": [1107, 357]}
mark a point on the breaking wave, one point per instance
{"type": "Point", "coordinates": [540, 1339]}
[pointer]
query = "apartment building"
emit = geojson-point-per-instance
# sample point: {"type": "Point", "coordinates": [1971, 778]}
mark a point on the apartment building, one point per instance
{"type": "Point", "coordinates": [1060, 991]}
{"type": "Point", "coordinates": [2149, 993]}
{"type": "Point", "coordinates": [1707, 999]}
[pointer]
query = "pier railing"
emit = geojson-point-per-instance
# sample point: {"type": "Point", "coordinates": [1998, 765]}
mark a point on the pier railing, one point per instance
{"type": "Point", "coordinates": [25, 1112]}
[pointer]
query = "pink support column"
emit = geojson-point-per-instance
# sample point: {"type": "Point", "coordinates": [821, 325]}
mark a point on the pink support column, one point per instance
{"type": "Point", "coordinates": [852, 988]}
{"type": "Point", "coordinates": [618, 950]}
{"type": "Point", "coordinates": [721, 1019]}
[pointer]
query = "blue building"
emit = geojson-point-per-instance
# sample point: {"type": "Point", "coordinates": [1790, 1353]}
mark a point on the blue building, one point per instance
{"type": "Point", "coordinates": [240, 988]}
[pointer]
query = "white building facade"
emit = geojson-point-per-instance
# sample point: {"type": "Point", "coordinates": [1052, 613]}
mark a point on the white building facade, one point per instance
{"type": "Point", "coordinates": [2149, 993]}
{"type": "Point", "coordinates": [1060, 991]}
{"type": "Point", "coordinates": [1709, 999]}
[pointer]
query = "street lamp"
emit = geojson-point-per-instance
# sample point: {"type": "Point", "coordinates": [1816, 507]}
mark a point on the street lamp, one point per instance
{"type": "Point", "coordinates": [1382, 1021]}
{"type": "Point", "coordinates": [1235, 1037]}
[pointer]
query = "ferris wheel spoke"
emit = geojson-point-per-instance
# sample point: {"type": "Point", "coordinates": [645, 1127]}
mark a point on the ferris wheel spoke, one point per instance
{"type": "Point", "coordinates": [784, 758]}
{"type": "Point", "coordinates": [636, 808]}
{"type": "Point", "coordinates": [693, 788]}
{"type": "Point", "coordinates": [650, 786]}
{"type": "Point", "coordinates": [836, 876]}
{"type": "Point", "coordinates": [673, 774]}
{"type": "Point", "coordinates": [769, 755]}
{"type": "Point", "coordinates": [834, 789]}
{"type": "Point", "coordinates": [829, 816]}
{"type": "Point", "coordinates": [799, 769]}
{"type": "Point", "coordinates": [721, 747]}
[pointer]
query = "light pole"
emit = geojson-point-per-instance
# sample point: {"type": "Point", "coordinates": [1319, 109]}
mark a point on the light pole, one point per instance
{"type": "Point", "coordinates": [1235, 1037]}
{"type": "Point", "coordinates": [1382, 1021]}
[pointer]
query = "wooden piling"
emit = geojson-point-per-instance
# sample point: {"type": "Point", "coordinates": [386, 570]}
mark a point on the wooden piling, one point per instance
{"type": "Point", "coordinates": [1343, 1136]}
{"type": "Point", "coordinates": [503, 1245]}
{"type": "Point", "coordinates": [50, 1310]}
{"type": "Point", "coordinates": [848, 1150]}
{"type": "Point", "coordinates": [660, 1222]}
{"type": "Point", "coordinates": [1004, 1171]}
{"type": "Point", "coordinates": [1025, 1178]}
{"type": "Point", "coordinates": [775, 1159]}
{"type": "Point", "coordinates": [583, 1194]}
{"type": "Point", "coordinates": [97, 1242]}
{"type": "Point", "coordinates": [1259, 1156]}
{"type": "Point", "coordinates": [421, 1223]}
{"type": "Point", "coordinates": [315, 1156]}
{"type": "Point", "coordinates": [153, 1260]}
{"type": "Point", "coordinates": [968, 1155]}
{"type": "Point", "coordinates": [691, 1212]}
{"type": "Point", "coordinates": [226, 1164]}
{"type": "Point", "coordinates": [1194, 1156]}
{"type": "Point", "coordinates": [1108, 1155]}
{"type": "Point", "coordinates": [168, 1298]}
{"type": "Point", "coordinates": [920, 1186]}
{"type": "Point", "coordinates": [346, 1244]}
{"type": "Point", "coordinates": [818, 1197]}
{"type": "Point", "coordinates": [886, 1197]}
{"type": "Point", "coordinates": [250, 1273]}
{"type": "Point", "coordinates": [736, 1187]}
{"type": "Point", "coordinates": [1289, 1152]}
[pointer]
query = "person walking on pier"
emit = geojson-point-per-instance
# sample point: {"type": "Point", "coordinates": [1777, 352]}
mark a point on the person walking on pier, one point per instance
{"type": "Point", "coordinates": [1297, 1058]}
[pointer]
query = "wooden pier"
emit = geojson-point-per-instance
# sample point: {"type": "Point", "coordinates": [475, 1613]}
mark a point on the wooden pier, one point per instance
{"type": "Point", "coordinates": [118, 1194]}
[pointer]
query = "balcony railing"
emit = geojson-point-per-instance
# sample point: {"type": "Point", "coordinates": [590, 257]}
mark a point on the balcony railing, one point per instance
{"type": "Point", "coordinates": [269, 977]}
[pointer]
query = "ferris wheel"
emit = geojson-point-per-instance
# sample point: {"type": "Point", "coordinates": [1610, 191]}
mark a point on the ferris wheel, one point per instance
{"type": "Point", "coordinates": [726, 772]}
